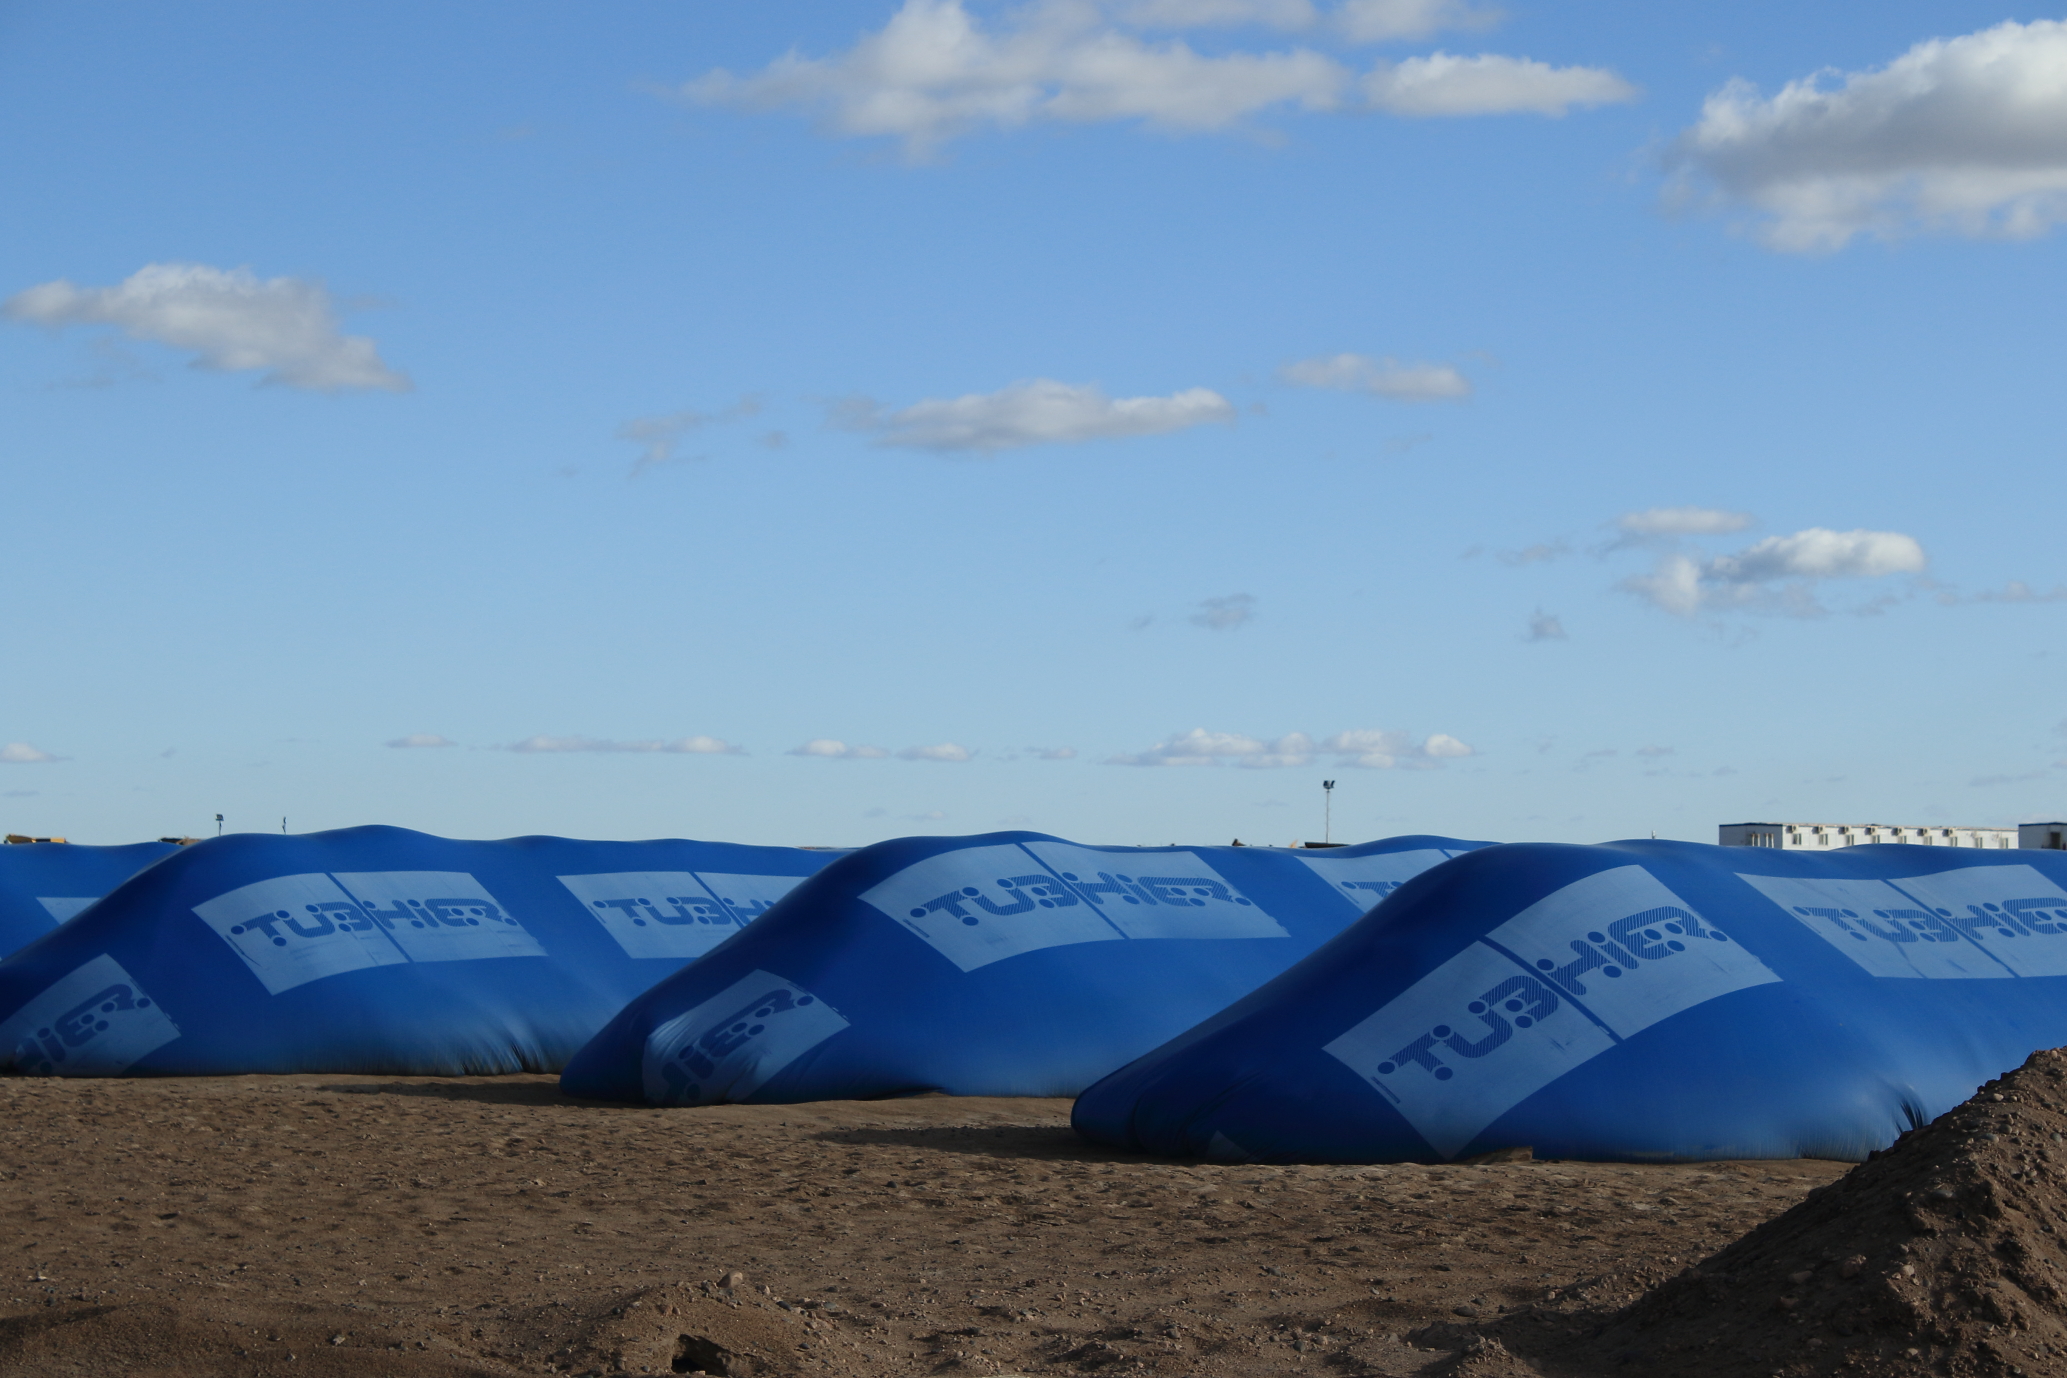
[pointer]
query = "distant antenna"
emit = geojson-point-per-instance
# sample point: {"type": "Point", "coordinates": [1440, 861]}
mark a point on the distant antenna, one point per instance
{"type": "Point", "coordinates": [218, 825]}
{"type": "Point", "coordinates": [1328, 817]}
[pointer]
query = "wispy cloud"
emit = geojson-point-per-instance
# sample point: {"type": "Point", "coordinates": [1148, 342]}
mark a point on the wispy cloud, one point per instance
{"type": "Point", "coordinates": [1545, 626]}
{"type": "Point", "coordinates": [2016, 591]}
{"type": "Point", "coordinates": [1357, 21]}
{"type": "Point", "coordinates": [1541, 553]}
{"type": "Point", "coordinates": [935, 72]}
{"type": "Point", "coordinates": [1963, 135]}
{"type": "Point", "coordinates": [22, 754]}
{"type": "Point", "coordinates": [1387, 377]}
{"type": "Point", "coordinates": [686, 746]}
{"type": "Point", "coordinates": [1370, 748]}
{"type": "Point", "coordinates": [829, 749]}
{"type": "Point", "coordinates": [659, 437]}
{"type": "Point", "coordinates": [229, 320]}
{"type": "Point", "coordinates": [946, 751]}
{"type": "Point", "coordinates": [1037, 412]}
{"type": "Point", "coordinates": [1682, 521]}
{"type": "Point", "coordinates": [1053, 753]}
{"type": "Point", "coordinates": [1990, 781]}
{"type": "Point", "coordinates": [1225, 614]}
{"type": "Point", "coordinates": [422, 739]}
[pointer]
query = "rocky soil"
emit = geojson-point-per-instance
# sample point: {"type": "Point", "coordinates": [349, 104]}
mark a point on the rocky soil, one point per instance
{"type": "Point", "coordinates": [330, 1225]}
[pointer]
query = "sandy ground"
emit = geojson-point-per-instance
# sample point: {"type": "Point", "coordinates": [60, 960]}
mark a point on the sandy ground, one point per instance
{"type": "Point", "coordinates": [320, 1225]}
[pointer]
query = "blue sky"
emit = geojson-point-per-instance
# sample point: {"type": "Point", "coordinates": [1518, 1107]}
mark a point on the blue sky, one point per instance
{"type": "Point", "coordinates": [817, 423]}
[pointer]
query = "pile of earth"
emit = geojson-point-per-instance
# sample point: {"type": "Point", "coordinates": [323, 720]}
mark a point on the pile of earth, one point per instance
{"type": "Point", "coordinates": [1941, 1255]}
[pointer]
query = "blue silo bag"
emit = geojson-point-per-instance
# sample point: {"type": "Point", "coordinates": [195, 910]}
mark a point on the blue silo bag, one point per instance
{"type": "Point", "coordinates": [1007, 964]}
{"type": "Point", "coordinates": [1634, 1001]}
{"type": "Point", "coordinates": [42, 884]}
{"type": "Point", "coordinates": [374, 950]}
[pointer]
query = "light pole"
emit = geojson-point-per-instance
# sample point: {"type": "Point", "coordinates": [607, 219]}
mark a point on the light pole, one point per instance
{"type": "Point", "coordinates": [1328, 807]}
{"type": "Point", "coordinates": [218, 825]}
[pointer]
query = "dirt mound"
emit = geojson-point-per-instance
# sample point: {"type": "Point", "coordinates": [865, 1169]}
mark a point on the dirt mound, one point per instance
{"type": "Point", "coordinates": [1941, 1255]}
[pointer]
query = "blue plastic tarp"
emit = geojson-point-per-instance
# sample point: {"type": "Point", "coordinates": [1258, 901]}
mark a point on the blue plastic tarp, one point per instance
{"type": "Point", "coordinates": [374, 950]}
{"type": "Point", "coordinates": [1633, 1001]}
{"type": "Point", "coordinates": [1007, 964]}
{"type": "Point", "coordinates": [42, 884]}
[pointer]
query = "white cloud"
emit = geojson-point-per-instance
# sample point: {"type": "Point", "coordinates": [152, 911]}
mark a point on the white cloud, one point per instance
{"type": "Point", "coordinates": [1490, 84]}
{"type": "Point", "coordinates": [1779, 573]}
{"type": "Point", "coordinates": [1820, 553]}
{"type": "Point", "coordinates": [1292, 15]}
{"type": "Point", "coordinates": [1225, 614]}
{"type": "Point", "coordinates": [934, 71]}
{"type": "Point", "coordinates": [688, 746]}
{"type": "Point", "coordinates": [1039, 412]}
{"type": "Point", "coordinates": [1681, 521]}
{"type": "Point", "coordinates": [229, 320]}
{"type": "Point", "coordinates": [418, 739]}
{"type": "Point", "coordinates": [22, 754]}
{"type": "Point", "coordinates": [946, 751]}
{"type": "Point", "coordinates": [1964, 135]}
{"type": "Point", "coordinates": [1381, 377]}
{"type": "Point", "coordinates": [1544, 626]}
{"type": "Point", "coordinates": [831, 750]}
{"type": "Point", "coordinates": [1199, 747]}
{"type": "Point", "coordinates": [1053, 753]}
{"type": "Point", "coordinates": [1364, 747]}
{"type": "Point", "coordinates": [1675, 585]}
{"type": "Point", "coordinates": [1379, 749]}
{"type": "Point", "coordinates": [1358, 21]}
{"type": "Point", "coordinates": [1377, 21]}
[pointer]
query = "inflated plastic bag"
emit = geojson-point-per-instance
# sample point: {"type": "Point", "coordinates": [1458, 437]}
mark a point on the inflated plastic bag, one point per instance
{"type": "Point", "coordinates": [1635, 1001]}
{"type": "Point", "coordinates": [1009, 964]}
{"type": "Point", "coordinates": [374, 950]}
{"type": "Point", "coordinates": [42, 884]}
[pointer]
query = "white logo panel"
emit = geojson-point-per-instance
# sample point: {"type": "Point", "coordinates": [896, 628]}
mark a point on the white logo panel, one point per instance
{"type": "Point", "coordinates": [439, 916]}
{"type": "Point", "coordinates": [748, 897]}
{"type": "Point", "coordinates": [1365, 880]}
{"type": "Point", "coordinates": [94, 1022]}
{"type": "Point", "coordinates": [727, 1047]}
{"type": "Point", "coordinates": [1510, 1014]}
{"type": "Point", "coordinates": [63, 907]}
{"type": "Point", "coordinates": [983, 904]}
{"type": "Point", "coordinates": [295, 929]}
{"type": "Point", "coordinates": [1465, 1043]}
{"type": "Point", "coordinates": [1629, 949]}
{"type": "Point", "coordinates": [2013, 912]}
{"type": "Point", "coordinates": [1159, 894]}
{"type": "Point", "coordinates": [1885, 932]}
{"type": "Point", "coordinates": [654, 913]}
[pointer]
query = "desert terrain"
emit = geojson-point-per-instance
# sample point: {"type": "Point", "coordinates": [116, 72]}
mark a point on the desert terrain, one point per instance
{"type": "Point", "coordinates": [361, 1225]}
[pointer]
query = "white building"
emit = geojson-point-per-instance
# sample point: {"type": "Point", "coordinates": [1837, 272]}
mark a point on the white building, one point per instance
{"type": "Point", "coordinates": [2051, 837]}
{"type": "Point", "coordinates": [1821, 837]}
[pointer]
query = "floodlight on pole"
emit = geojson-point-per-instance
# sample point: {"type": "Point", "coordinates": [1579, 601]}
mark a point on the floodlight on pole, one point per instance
{"type": "Point", "coordinates": [218, 825]}
{"type": "Point", "coordinates": [1328, 814]}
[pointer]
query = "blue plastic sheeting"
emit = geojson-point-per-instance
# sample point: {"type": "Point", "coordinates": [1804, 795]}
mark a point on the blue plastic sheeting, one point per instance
{"type": "Point", "coordinates": [374, 950]}
{"type": "Point", "coordinates": [1009, 964]}
{"type": "Point", "coordinates": [44, 883]}
{"type": "Point", "coordinates": [1635, 1001]}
